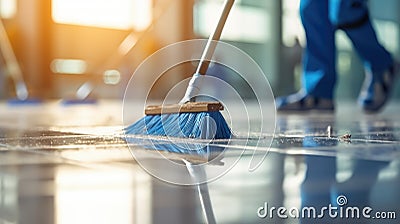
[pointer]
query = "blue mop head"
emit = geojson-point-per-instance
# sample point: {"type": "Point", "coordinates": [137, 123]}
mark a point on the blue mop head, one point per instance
{"type": "Point", "coordinates": [201, 125]}
{"type": "Point", "coordinates": [204, 125]}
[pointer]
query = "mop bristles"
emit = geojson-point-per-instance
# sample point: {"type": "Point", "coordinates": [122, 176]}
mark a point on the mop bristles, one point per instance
{"type": "Point", "coordinates": [176, 129]}
{"type": "Point", "coordinates": [203, 125]}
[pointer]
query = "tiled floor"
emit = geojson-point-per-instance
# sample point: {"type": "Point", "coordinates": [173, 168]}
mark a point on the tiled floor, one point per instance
{"type": "Point", "coordinates": [69, 164]}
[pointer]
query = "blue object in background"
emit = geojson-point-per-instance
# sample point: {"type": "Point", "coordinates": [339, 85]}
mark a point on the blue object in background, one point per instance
{"type": "Point", "coordinates": [321, 18]}
{"type": "Point", "coordinates": [30, 101]}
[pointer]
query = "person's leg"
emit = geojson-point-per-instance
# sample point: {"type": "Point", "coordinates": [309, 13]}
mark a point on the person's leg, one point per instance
{"type": "Point", "coordinates": [319, 73]}
{"type": "Point", "coordinates": [353, 18]}
{"type": "Point", "coordinates": [375, 57]}
{"type": "Point", "coordinates": [380, 69]}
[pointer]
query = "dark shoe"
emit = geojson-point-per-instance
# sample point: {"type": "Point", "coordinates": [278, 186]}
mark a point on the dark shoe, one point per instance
{"type": "Point", "coordinates": [374, 95]}
{"type": "Point", "coordinates": [301, 102]}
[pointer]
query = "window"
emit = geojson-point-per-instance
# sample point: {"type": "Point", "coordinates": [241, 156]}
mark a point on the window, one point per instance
{"type": "Point", "coordinates": [8, 8]}
{"type": "Point", "coordinates": [245, 23]}
{"type": "Point", "coordinates": [115, 14]}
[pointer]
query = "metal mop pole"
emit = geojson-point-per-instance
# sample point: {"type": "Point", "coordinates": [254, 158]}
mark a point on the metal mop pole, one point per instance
{"type": "Point", "coordinates": [196, 81]}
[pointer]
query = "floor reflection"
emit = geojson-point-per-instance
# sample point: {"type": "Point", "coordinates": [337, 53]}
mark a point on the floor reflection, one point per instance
{"type": "Point", "coordinates": [322, 188]}
{"type": "Point", "coordinates": [64, 193]}
{"type": "Point", "coordinates": [49, 176]}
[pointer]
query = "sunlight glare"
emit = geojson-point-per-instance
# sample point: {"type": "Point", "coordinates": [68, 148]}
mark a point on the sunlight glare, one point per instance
{"type": "Point", "coordinates": [115, 14]}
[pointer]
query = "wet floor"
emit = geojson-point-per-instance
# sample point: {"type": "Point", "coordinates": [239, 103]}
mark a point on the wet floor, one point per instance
{"type": "Point", "coordinates": [70, 164]}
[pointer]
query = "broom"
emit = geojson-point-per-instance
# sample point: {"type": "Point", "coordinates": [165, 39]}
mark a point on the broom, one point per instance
{"type": "Point", "coordinates": [195, 119]}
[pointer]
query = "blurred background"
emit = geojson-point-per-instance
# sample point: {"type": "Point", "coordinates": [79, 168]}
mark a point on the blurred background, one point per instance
{"type": "Point", "coordinates": [64, 45]}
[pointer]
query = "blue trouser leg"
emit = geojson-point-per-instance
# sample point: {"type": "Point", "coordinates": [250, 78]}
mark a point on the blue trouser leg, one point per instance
{"type": "Point", "coordinates": [319, 73]}
{"type": "Point", "coordinates": [320, 19]}
{"type": "Point", "coordinates": [352, 17]}
{"type": "Point", "coordinates": [375, 57]}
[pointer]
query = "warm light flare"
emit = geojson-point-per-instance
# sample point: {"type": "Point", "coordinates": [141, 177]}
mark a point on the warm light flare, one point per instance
{"type": "Point", "coordinates": [115, 14]}
{"type": "Point", "coordinates": [8, 8]}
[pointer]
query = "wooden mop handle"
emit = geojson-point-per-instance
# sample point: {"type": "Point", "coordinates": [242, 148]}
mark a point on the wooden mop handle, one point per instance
{"type": "Point", "coordinates": [215, 36]}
